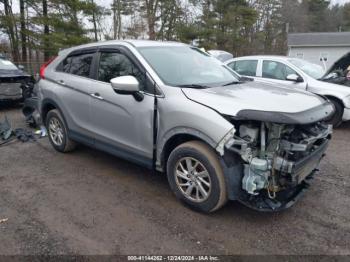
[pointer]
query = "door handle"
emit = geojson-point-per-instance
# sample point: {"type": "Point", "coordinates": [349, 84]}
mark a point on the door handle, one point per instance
{"type": "Point", "coordinates": [97, 96]}
{"type": "Point", "coordinates": [61, 82]}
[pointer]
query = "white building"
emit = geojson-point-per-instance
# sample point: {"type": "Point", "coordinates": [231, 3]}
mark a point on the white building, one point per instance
{"type": "Point", "coordinates": [319, 48]}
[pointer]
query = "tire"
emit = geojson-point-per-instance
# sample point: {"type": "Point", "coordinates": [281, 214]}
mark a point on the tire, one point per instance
{"type": "Point", "coordinates": [58, 136]}
{"type": "Point", "coordinates": [208, 168]}
{"type": "Point", "coordinates": [337, 117]}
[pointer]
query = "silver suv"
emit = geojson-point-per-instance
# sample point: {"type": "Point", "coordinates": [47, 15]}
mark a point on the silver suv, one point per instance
{"type": "Point", "coordinates": [173, 108]}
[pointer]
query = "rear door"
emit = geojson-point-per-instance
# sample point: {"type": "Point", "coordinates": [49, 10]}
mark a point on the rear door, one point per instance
{"type": "Point", "coordinates": [122, 125]}
{"type": "Point", "coordinates": [277, 72]}
{"type": "Point", "coordinates": [73, 75]}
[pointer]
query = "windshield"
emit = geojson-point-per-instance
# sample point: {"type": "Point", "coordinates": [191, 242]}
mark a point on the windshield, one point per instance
{"type": "Point", "coordinates": [184, 65]}
{"type": "Point", "coordinates": [7, 65]}
{"type": "Point", "coordinates": [308, 68]}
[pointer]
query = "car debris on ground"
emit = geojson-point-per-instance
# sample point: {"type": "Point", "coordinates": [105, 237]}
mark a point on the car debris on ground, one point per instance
{"type": "Point", "coordinates": [8, 134]}
{"type": "Point", "coordinates": [3, 220]}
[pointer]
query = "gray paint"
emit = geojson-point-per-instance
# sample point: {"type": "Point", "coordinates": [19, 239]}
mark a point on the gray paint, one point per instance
{"type": "Point", "coordinates": [124, 123]}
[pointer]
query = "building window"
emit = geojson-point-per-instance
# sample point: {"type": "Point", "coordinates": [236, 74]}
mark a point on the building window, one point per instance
{"type": "Point", "coordinates": [300, 55]}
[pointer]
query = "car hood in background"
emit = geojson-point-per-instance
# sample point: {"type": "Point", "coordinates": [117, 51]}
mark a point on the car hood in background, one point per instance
{"type": "Point", "coordinates": [264, 102]}
{"type": "Point", "coordinates": [13, 73]}
{"type": "Point", "coordinates": [342, 64]}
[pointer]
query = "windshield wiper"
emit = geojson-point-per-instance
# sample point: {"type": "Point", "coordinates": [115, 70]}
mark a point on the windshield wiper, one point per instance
{"type": "Point", "coordinates": [233, 83]}
{"type": "Point", "coordinates": [194, 86]}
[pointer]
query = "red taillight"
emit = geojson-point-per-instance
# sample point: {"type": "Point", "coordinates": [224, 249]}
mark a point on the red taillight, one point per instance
{"type": "Point", "coordinates": [43, 67]}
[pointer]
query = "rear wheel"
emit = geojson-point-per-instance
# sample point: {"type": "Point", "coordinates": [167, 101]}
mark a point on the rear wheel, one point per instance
{"type": "Point", "coordinates": [196, 177]}
{"type": "Point", "coordinates": [57, 131]}
{"type": "Point", "coordinates": [337, 117]}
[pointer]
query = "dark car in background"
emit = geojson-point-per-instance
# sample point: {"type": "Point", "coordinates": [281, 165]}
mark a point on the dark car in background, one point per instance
{"type": "Point", "coordinates": [15, 84]}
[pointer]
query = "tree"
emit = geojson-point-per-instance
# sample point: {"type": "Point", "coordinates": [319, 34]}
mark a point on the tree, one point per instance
{"type": "Point", "coordinates": [46, 31]}
{"type": "Point", "coordinates": [8, 22]}
{"type": "Point", "coordinates": [316, 12]}
{"type": "Point", "coordinates": [23, 31]}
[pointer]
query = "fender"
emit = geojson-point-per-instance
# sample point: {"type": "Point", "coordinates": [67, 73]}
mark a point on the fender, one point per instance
{"type": "Point", "coordinates": [179, 131]}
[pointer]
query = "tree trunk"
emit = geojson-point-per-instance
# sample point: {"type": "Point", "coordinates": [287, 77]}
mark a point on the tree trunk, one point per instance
{"type": "Point", "coordinates": [151, 10]}
{"type": "Point", "coordinates": [114, 9]}
{"type": "Point", "coordinates": [46, 32]}
{"type": "Point", "coordinates": [119, 17]}
{"type": "Point", "coordinates": [23, 32]}
{"type": "Point", "coordinates": [11, 25]}
{"type": "Point", "coordinates": [94, 20]}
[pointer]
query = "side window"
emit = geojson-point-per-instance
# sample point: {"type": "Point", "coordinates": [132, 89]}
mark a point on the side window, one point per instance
{"type": "Point", "coordinates": [116, 64]}
{"type": "Point", "coordinates": [64, 66]}
{"type": "Point", "coordinates": [245, 67]}
{"type": "Point", "coordinates": [276, 70]}
{"type": "Point", "coordinates": [81, 64]}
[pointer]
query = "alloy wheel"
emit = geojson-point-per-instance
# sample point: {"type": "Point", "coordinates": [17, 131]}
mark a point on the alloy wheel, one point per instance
{"type": "Point", "coordinates": [56, 131]}
{"type": "Point", "coordinates": [193, 179]}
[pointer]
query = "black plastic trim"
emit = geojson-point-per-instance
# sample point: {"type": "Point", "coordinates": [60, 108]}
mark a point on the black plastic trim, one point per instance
{"type": "Point", "coordinates": [312, 115]}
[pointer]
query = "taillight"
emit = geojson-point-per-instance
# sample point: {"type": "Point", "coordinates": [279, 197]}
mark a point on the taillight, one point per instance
{"type": "Point", "coordinates": [43, 67]}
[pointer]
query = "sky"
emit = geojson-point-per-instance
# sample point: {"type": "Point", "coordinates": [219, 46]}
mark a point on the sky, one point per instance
{"type": "Point", "coordinates": [340, 1]}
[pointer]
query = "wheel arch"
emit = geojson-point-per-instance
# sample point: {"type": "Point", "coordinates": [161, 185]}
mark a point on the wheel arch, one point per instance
{"type": "Point", "coordinates": [176, 137]}
{"type": "Point", "coordinates": [335, 98]}
{"type": "Point", "coordinates": [46, 106]}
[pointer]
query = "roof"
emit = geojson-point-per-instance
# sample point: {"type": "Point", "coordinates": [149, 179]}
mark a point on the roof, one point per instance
{"type": "Point", "coordinates": [135, 43]}
{"type": "Point", "coordinates": [256, 57]}
{"type": "Point", "coordinates": [319, 39]}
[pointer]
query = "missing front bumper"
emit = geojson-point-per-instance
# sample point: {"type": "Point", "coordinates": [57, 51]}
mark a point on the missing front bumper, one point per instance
{"type": "Point", "coordinates": [284, 199]}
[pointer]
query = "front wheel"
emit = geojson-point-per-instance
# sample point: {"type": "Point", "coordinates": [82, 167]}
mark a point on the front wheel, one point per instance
{"type": "Point", "coordinates": [196, 177]}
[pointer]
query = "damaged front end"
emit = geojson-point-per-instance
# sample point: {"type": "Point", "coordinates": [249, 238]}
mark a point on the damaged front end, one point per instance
{"type": "Point", "coordinates": [278, 160]}
{"type": "Point", "coordinates": [15, 87]}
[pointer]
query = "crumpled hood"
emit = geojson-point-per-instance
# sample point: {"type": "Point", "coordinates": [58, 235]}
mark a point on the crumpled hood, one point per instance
{"type": "Point", "coordinates": [342, 63]}
{"type": "Point", "coordinates": [256, 96]}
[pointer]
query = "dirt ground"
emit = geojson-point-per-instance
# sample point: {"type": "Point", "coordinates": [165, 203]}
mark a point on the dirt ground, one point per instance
{"type": "Point", "coordinates": [88, 202]}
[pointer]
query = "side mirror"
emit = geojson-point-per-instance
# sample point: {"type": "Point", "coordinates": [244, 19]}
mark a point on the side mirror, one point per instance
{"type": "Point", "coordinates": [295, 78]}
{"type": "Point", "coordinates": [127, 85]}
{"type": "Point", "coordinates": [20, 67]}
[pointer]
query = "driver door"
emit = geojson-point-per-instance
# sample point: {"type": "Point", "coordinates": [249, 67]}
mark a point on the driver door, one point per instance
{"type": "Point", "coordinates": [121, 125]}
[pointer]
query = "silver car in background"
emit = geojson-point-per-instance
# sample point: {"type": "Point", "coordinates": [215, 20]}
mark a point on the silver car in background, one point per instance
{"type": "Point", "coordinates": [174, 108]}
{"type": "Point", "coordinates": [297, 74]}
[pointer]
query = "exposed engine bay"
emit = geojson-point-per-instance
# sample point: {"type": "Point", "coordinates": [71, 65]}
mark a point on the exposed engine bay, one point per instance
{"type": "Point", "coordinates": [278, 157]}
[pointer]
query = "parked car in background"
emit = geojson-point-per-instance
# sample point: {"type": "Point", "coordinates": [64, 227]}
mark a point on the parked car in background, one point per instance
{"type": "Point", "coordinates": [296, 74]}
{"type": "Point", "coordinates": [221, 55]}
{"type": "Point", "coordinates": [15, 84]}
{"type": "Point", "coordinates": [339, 72]}
{"type": "Point", "coordinates": [173, 107]}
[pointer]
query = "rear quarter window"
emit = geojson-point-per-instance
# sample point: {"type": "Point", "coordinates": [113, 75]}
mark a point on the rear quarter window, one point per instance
{"type": "Point", "coordinates": [64, 66]}
{"type": "Point", "coordinates": [76, 65]}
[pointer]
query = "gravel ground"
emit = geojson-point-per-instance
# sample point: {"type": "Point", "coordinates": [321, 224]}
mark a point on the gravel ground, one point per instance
{"type": "Point", "coordinates": [88, 202]}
